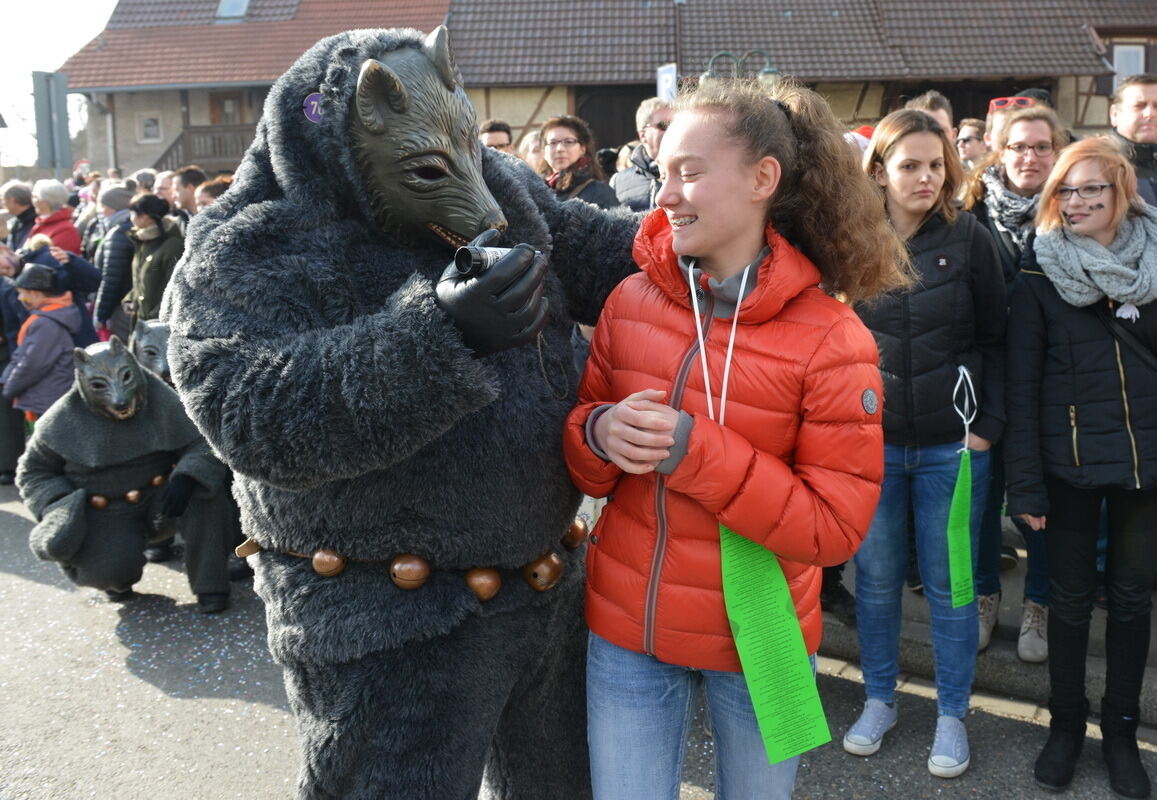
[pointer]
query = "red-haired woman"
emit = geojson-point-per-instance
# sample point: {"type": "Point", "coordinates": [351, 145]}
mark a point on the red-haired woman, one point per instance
{"type": "Point", "coordinates": [1082, 431]}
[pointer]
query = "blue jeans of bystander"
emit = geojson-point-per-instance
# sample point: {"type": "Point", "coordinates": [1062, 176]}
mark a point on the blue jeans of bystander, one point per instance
{"type": "Point", "coordinates": [639, 711]}
{"type": "Point", "coordinates": [927, 475]}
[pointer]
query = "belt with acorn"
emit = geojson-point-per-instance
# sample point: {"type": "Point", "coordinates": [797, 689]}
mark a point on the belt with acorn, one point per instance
{"type": "Point", "coordinates": [409, 571]}
{"type": "Point", "coordinates": [132, 496]}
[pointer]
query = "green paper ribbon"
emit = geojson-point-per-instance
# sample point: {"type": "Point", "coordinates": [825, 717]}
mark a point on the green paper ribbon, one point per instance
{"type": "Point", "coordinates": [960, 534]}
{"type": "Point", "coordinates": [771, 649]}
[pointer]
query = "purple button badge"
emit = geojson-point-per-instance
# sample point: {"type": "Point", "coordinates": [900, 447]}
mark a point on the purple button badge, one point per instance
{"type": "Point", "coordinates": [312, 107]}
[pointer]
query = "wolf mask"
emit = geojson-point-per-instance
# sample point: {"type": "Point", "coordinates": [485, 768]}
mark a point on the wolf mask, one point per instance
{"type": "Point", "coordinates": [150, 345]}
{"type": "Point", "coordinates": [110, 379]}
{"type": "Point", "coordinates": [416, 139]}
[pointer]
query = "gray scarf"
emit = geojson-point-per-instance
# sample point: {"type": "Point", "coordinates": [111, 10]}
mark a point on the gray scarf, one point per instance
{"type": "Point", "coordinates": [1011, 213]}
{"type": "Point", "coordinates": [1083, 271]}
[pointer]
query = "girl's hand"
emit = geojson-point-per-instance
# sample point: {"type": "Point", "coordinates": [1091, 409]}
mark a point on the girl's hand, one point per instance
{"type": "Point", "coordinates": [1036, 523]}
{"type": "Point", "coordinates": [636, 432]}
{"type": "Point", "coordinates": [60, 254]}
{"type": "Point", "coordinates": [976, 443]}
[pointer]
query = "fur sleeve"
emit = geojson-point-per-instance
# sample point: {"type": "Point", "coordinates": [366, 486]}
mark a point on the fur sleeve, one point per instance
{"type": "Point", "coordinates": [40, 477]}
{"type": "Point", "coordinates": [299, 406]}
{"type": "Point", "coordinates": [592, 249]}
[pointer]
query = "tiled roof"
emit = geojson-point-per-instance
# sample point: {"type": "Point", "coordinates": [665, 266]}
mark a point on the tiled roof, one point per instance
{"type": "Point", "coordinates": [546, 42]}
{"type": "Point", "coordinates": [149, 43]}
{"type": "Point", "coordinates": [154, 44]}
{"type": "Point", "coordinates": [151, 13]}
{"type": "Point", "coordinates": [539, 42]}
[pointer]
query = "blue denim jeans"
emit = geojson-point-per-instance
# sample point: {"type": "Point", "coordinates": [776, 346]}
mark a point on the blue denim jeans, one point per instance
{"type": "Point", "coordinates": [924, 476]}
{"type": "Point", "coordinates": [639, 711]}
{"type": "Point", "coordinates": [1036, 579]}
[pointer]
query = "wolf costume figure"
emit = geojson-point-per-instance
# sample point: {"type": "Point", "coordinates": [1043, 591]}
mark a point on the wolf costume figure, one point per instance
{"type": "Point", "coordinates": [395, 430]}
{"type": "Point", "coordinates": [115, 464]}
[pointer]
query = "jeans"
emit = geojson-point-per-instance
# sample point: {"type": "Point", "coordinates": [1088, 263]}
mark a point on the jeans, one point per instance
{"type": "Point", "coordinates": [1073, 524]}
{"type": "Point", "coordinates": [924, 476]}
{"type": "Point", "coordinates": [1036, 579]}
{"type": "Point", "coordinates": [639, 710]}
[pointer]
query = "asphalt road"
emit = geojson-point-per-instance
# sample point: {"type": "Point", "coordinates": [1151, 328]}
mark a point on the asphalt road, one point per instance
{"type": "Point", "coordinates": [150, 699]}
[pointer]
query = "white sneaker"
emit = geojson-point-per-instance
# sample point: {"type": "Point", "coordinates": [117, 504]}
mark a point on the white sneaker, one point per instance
{"type": "Point", "coordinates": [1033, 644]}
{"type": "Point", "coordinates": [950, 755]}
{"type": "Point", "coordinates": [867, 733]}
{"type": "Point", "coordinates": [987, 609]}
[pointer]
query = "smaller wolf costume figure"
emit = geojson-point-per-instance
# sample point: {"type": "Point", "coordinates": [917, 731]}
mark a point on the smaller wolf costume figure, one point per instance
{"type": "Point", "coordinates": [115, 464]}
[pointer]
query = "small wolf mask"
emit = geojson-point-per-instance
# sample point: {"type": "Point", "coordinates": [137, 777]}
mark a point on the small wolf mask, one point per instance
{"type": "Point", "coordinates": [416, 139]}
{"type": "Point", "coordinates": [150, 345]}
{"type": "Point", "coordinates": [109, 379]}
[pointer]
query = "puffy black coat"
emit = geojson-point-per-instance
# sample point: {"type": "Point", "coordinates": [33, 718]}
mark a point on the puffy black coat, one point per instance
{"type": "Point", "coordinates": [954, 315]}
{"type": "Point", "coordinates": [1143, 157]}
{"type": "Point", "coordinates": [114, 259]}
{"type": "Point", "coordinates": [595, 192]}
{"type": "Point", "coordinates": [1081, 407]}
{"type": "Point", "coordinates": [637, 185]}
{"type": "Point", "coordinates": [1006, 247]}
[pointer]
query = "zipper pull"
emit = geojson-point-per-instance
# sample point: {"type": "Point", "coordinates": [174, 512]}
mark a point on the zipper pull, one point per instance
{"type": "Point", "coordinates": [1073, 416]}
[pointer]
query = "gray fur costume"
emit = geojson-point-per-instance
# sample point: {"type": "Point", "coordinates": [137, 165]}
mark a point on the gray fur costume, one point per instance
{"type": "Point", "coordinates": [74, 452]}
{"type": "Point", "coordinates": [308, 347]}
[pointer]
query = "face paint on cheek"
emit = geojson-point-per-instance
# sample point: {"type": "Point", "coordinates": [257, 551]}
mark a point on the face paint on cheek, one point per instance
{"type": "Point", "coordinates": [1097, 207]}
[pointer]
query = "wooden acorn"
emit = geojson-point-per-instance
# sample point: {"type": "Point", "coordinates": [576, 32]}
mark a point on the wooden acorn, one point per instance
{"type": "Point", "coordinates": [98, 501]}
{"type": "Point", "coordinates": [157, 480]}
{"type": "Point", "coordinates": [544, 572]}
{"type": "Point", "coordinates": [484, 582]}
{"type": "Point", "coordinates": [576, 534]}
{"type": "Point", "coordinates": [328, 563]}
{"type": "Point", "coordinates": [409, 571]}
{"type": "Point", "coordinates": [133, 496]}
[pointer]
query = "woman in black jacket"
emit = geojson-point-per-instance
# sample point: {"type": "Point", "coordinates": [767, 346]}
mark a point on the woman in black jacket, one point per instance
{"type": "Point", "coordinates": [569, 164]}
{"type": "Point", "coordinates": [1082, 407]}
{"type": "Point", "coordinates": [946, 332]}
{"type": "Point", "coordinates": [1003, 194]}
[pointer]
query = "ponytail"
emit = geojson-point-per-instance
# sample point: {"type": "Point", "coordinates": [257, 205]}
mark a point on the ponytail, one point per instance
{"type": "Point", "coordinates": [824, 205]}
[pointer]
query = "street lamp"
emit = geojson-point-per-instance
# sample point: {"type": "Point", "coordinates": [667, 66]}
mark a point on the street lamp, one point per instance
{"type": "Point", "coordinates": [768, 76]}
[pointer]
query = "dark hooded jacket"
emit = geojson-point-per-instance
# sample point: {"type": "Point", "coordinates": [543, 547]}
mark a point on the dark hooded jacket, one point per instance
{"type": "Point", "coordinates": [114, 259]}
{"type": "Point", "coordinates": [308, 347]}
{"type": "Point", "coordinates": [41, 367]}
{"type": "Point", "coordinates": [637, 185]}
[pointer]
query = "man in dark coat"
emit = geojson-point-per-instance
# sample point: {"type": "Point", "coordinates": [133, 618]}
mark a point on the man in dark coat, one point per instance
{"type": "Point", "coordinates": [397, 464]}
{"type": "Point", "coordinates": [1133, 114]}
{"type": "Point", "coordinates": [637, 185]}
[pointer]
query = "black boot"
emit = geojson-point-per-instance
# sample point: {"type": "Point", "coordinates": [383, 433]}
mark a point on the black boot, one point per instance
{"type": "Point", "coordinates": [1127, 776]}
{"type": "Point", "coordinates": [835, 599]}
{"type": "Point", "coordinates": [1057, 761]}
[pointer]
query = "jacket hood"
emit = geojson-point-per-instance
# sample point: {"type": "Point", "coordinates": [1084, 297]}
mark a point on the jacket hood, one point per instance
{"type": "Point", "coordinates": [68, 316]}
{"type": "Point", "coordinates": [782, 275]}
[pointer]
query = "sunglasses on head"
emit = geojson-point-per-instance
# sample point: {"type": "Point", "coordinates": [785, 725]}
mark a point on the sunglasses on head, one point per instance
{"type": "Point", "coordinates": [1005, 103]}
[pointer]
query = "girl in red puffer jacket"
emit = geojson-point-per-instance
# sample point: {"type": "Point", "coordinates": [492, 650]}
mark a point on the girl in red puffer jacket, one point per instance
{"type": "Point", "coordinates": [726, 388]}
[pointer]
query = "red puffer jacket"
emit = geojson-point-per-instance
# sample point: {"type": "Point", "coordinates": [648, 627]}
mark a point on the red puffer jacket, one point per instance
{"type": "Point", "coordinates": [59, 228]}
{"type": "Point", "coordinates": [798, 467]}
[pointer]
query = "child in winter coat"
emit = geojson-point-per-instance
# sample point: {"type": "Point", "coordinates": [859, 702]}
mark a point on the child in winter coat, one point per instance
{"type": "Point", "coordinates": [40, 370]}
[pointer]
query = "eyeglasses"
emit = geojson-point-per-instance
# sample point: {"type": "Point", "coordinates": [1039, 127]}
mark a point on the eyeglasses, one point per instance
{"type": "Point", "coordinates": [659, 126]}
{"type": "Point", "coordinates": [1040, 149]}
{"type": "Point", "coordinates": [1090, 191]}
{"type": "Point", "coordinates": [561, 142]}
{"type": "Point", "coordinates": [967, 139]}
{"type": "Point", "coordinates": [1005, 103]}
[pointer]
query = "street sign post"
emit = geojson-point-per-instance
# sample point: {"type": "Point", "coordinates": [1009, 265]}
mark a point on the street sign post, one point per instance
{"type": "Point", "coordinates": [49, 92]}
{"type": "Point", "coordinates": [666, 82]}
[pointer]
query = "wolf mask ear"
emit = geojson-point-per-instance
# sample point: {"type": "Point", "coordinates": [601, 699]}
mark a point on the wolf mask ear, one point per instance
{"type": "Point", "coordinates": [80, 356]}
{"type": "Point", "coordinates": [378, 84]}
{"type": "Point", "coordinates": [115, 345]}
{"type": "Point", "coordinates": [437, 49]}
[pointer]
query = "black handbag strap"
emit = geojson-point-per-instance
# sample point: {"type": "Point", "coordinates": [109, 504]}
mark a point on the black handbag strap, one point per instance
{"type": "Point", "coordinates": [1125, 336]}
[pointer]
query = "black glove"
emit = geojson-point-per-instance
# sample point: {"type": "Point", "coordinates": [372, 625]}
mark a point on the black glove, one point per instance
{"type": "Point", "coordinates": [175, 496]}
{"type": "Point", "coordinates": [501, 308]}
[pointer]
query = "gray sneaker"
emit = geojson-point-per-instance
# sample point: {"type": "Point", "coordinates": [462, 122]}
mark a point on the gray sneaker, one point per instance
{"type": "Point", "coordinates": [949, 756]}
{"type": "Point", "coordinates": [867, 733]}
{"type": "Point", "coordinates": [1033, 644]}
{"type": "Point", "coordinates": [987, 611]}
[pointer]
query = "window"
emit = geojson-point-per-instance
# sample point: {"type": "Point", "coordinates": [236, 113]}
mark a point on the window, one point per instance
{"type": "Point", "coordinates": [148, 127]}
{"type": "Point", "coordinates": [232, 9]}
{"type": "Point", "coordinates": [1128, 59]}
